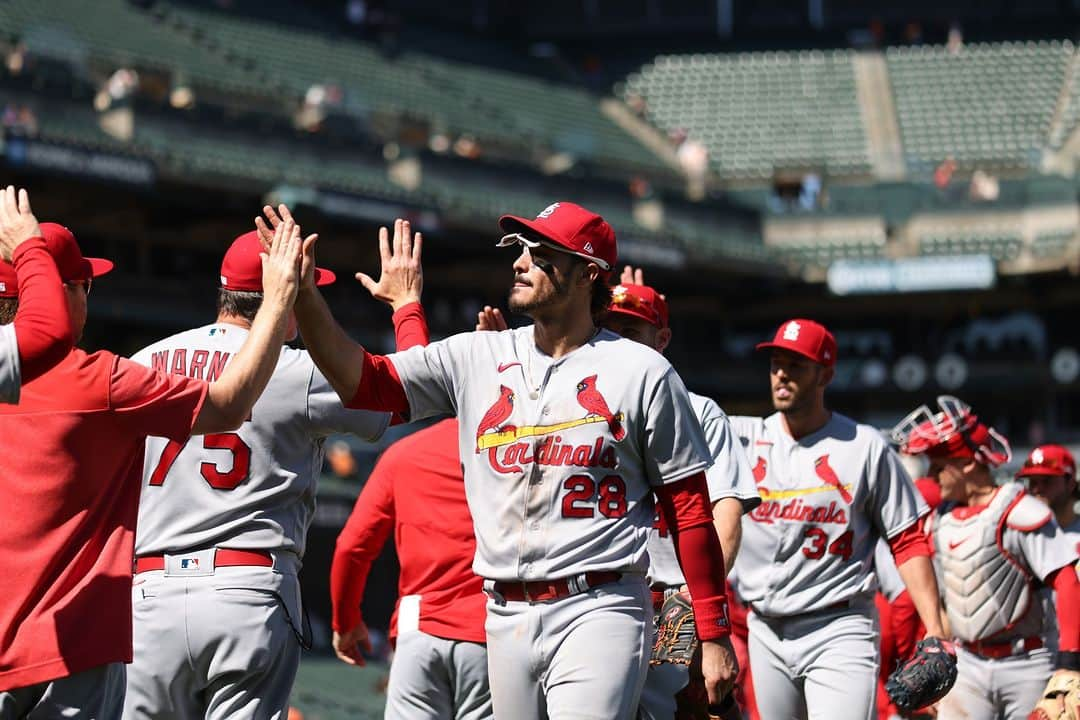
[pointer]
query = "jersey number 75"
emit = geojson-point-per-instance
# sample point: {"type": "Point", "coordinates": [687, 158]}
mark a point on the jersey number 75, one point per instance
{"type": "Point", "coordinates": [214, 477]}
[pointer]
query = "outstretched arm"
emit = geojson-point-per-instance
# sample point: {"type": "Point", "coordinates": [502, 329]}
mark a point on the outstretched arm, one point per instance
{"type": "Point", "coordinates": [229, 400]}
{"type": "Point", "coordinates": [340, 358]}
{"type": "Point", "coordinates": [42, 328]}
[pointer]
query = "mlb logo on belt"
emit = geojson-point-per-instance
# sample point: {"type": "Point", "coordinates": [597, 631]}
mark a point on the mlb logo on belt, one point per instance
{"type": "Point", "coordinates": [189, 563]}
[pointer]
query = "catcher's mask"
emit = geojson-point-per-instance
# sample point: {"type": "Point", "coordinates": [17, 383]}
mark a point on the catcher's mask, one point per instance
{"type": "Point", "coordinates": [953, 432]}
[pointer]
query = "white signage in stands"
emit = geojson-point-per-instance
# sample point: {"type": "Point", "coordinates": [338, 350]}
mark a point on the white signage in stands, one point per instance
{"type": "Point", "coordinates": [908, 275]}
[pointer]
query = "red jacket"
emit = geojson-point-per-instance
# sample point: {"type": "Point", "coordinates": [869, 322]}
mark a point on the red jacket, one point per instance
{"type": "Point", "coordinates": [417, 490]}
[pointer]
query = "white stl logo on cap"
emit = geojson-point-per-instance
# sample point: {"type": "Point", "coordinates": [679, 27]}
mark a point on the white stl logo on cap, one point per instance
{"type": "Point", "coordinates": [546, 212]}
{"type": "Point", "coordinates": [791, 331]}
{"type": "Point", "coordinates": [1036, 456]}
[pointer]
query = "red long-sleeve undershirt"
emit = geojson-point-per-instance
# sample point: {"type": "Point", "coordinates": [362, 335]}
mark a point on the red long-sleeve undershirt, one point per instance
{"type": "Point", "coordinates": [410, 326]}
{"type": "Point", "coordinates": [42, 326]}
{"type": "Point", "coordinates": [1067, 590]}
{"type": "Point", "coordinates": [685, 507]}
{"type": "Point", "coordinates": [909, 543]}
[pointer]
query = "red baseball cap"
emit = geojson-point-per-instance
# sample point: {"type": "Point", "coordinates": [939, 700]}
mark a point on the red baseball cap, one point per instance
{"type": "Point", "coordinates": [241, 268]}
{"type": "Point", "coordinates": [1049, 460]}
{"type": "Point", "coordinates": [640, 301]}
{"type": "Point", "coordinates": [568, 227]}
{"type": "Point", "coordinates": [65, 252]}
{"type": "Point", "coordinates": [807, 338]}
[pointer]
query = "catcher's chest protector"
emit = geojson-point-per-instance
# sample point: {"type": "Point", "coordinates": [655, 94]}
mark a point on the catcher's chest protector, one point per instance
{"type": "Point", "coordinates": [988, 587]}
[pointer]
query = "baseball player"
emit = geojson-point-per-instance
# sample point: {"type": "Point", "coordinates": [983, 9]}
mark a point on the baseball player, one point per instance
{"type": "Point", "coordinates": [993, 546]}
{"type": "Point", "coordinates": [1050, 472]}
{"type": "Point", "coordinates": [35, 331]}
{"type": "Point", "coordinates": [72, 453]}
{"type": "Point", "coordinates": [566, 431]}
{"type": "Point", "coordinates": [440, 669]}
{"type": "Point", "coordinates": [830, 489]}
{"type": "Point", "coordinates": [640, 313]}
{"type": "Point", "coordinates": [223, 517]}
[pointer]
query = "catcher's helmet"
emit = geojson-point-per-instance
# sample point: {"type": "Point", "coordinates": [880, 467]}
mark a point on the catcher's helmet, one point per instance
{"type": "Point", "coordinates": [953, 432]}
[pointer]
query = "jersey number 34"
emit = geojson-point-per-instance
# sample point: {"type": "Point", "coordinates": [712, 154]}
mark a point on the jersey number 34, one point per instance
{"type": "Point", "coordinates": [217, 479]}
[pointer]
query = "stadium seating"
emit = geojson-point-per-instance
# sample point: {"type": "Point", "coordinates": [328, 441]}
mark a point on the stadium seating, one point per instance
{"type": "Point", "coordinates": [489, 104]}
{"type": "Point", "coordinates": [987, 105]}
{"type": "Point", "coordinates": [1000, 244]}
{"type": "Point", "coordinates": [757, 112]}
{"type": "Point", "coordinates": [116, 34]}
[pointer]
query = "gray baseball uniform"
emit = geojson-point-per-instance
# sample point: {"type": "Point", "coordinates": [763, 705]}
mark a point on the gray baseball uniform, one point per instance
{"type": "Point", "coordinates": [251, 490]}
{"type": "Point", "coordinates": [990, 559]}
{"type": "Point", "coordinates": [10, 377]}
{"type": "Point", "coordinates": [729, 476]}
{"type": "Point", "coordinates": [806, 566]}
{"type": "Point", "coordinates": [560, 458]}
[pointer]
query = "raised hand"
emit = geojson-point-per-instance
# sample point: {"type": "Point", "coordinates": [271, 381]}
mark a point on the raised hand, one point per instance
{"type": "Point", "coordinates": [490, 319]}
{"type": "Point", "coordinates": [281, 265]}
{"type": "Point", "coordinates": [632, 276]}
{"type": "Point", "coordinates": [266, 236]}
{"type": "Point", "coordinates": [402, 276]}
{"type": "Point", "coordinates": [17, 221]}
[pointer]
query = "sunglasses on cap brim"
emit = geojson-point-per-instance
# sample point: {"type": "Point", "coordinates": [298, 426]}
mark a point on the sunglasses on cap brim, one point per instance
{"type": "Point", "coordinates": [519, 239]}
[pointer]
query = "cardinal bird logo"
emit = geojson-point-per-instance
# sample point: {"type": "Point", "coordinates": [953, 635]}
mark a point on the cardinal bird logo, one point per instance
{"type": "Point", "coordinates": [497, 413]}
{"type": "Point", "coordinates": [760, 469]}
{"type": "Point", "coordinates": [593, 402]}
{"type": "Point", "coordinates": [828, 475]}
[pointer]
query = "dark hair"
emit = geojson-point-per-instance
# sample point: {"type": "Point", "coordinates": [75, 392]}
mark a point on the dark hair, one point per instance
{"type": "Point", "coordinates": [240, 303]}
{"type": "Point", "coordinates": [601, 298]}
{"type": "Point", "coordinates": [8, 308]}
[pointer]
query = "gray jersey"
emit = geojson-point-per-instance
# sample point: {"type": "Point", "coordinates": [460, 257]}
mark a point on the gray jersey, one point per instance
{"type": "Point", "coordinates": [253, 489]}
{"type": "Point", "coordinates": [1047, 595]}
{"type": "Point", "coordinates": [827, 499]}
{"type": "Point", "coordinates": [728, 477]}
{"type": "Point", "coordinates": [10, 377]}
{"type": "Point", "coordinates": [888, 576]}
{"type": "Point", "coordinates": [560, 456]}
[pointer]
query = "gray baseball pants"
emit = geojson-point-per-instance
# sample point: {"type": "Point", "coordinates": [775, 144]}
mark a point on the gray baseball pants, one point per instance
{"type": "Point", "coordinates": [215, 646]}
{"type": "Point", "coordinates": [582, 657]}
{"type": "Point", "coordinates": [435, 678]}
{"type": "Point", "coordinates": [1006, 689]}
{"type": "Point", "coordinates": [94, 694]}
{"type": "Point", "coordinates": [821, 666]}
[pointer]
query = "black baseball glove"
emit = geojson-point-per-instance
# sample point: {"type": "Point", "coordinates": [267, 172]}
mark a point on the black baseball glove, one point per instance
{"type": "Point", "coordinates": [924, 678]}
{"type": "Point", "coordinates": [676, 635]}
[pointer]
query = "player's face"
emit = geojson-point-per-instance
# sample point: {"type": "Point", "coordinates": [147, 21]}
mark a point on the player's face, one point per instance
{"type": "Point", "coordinates": [638, 330]}
{"type": "Point", "coordinates": [951, 474]}
{"type": "Point", "coordinates": [545, 280]}
{"type": "Point", "coordinates": [1054, 490]}
{"type": "Point", "coordinates": [76, 293]}
{"type": "Point", "coordinates": [796, 381]}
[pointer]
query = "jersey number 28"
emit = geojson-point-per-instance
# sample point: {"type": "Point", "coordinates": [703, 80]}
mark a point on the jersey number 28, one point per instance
{"type": "Point", "coordinates": [214, 477]}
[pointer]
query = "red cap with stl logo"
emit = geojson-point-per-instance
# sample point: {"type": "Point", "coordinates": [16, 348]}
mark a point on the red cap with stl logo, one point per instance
{"type": "Point", "coordinates": [640, 301]}
{"type": "Point", "coordinates": [807, 338]}
{"type": "Point", "coordinates": [569, 227]}
{"type": "Point", "coordinates": [1049, 460]}
{"type": "Point", "coordinates": [241, 268]}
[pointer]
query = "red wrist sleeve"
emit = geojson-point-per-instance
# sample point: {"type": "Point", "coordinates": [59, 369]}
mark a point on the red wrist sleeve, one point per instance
{"type": "Point", "coordinates": [1067, 591]}
{"type": "Point", "coordinates": [685, 507]}
{"type": "Point", "coordinates": [42, 327]}
{"type": "Point", "coordinates": [380, 387]}
{"type": "Point", "coordinates": [410, 326]}
{"type": "Point", "coordinates": [909, 543]}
